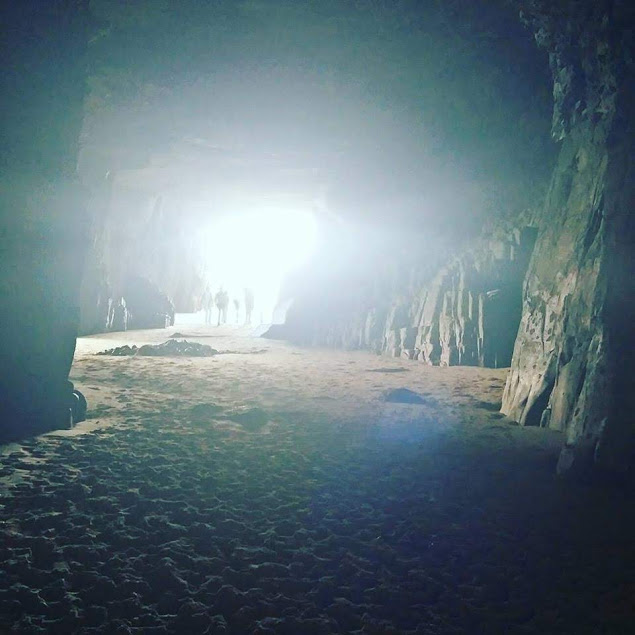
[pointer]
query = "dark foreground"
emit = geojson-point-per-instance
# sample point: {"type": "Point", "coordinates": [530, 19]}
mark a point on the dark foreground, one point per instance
{"type": "Point", "coordinates": [323, 510]}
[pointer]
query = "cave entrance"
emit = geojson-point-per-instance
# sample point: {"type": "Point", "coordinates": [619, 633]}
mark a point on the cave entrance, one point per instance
{"type": "Point", "coordinates": [244, 259]}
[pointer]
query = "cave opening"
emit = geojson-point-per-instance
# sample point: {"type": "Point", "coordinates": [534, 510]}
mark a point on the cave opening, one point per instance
{"type": "Point", "coordinates": [249, 254]}
{"type": "Point", "coordinates": [308, 305]}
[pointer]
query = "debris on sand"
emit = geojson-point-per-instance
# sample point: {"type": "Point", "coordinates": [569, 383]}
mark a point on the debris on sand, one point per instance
{"type": "Point", "coordinates": [404, 395]}
{"type": "Point", "coordinates": [120, 351]}
{"type": "Point", "coordinates": [171, 348]}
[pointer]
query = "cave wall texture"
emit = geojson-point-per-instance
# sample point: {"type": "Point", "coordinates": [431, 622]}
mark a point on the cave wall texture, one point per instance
{"type": "Point", "coordinates": [43, 229]}
{"type": "Point", "coordinates": [329, 76]}
{"type": "Point", "coordinates": [572, 365]}
{"type": "Point", "coordinates": [142, 252]}
{"type": "Point", "coordinates": [465, 311]}
{"type": "Point", "coordinates": [564, 272]}
{"type": "Point", "coordinates": [572, 361]}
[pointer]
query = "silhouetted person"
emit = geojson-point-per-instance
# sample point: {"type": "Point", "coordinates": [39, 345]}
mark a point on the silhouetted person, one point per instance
{"type": "Point", "coordinates": [222, 302]}
{"type": "Point", "coordinates": [236, 307]}
{"type": "Point", "coordinates": [249, 305]}
{"type": "Point", "coordinates": [208, 305]}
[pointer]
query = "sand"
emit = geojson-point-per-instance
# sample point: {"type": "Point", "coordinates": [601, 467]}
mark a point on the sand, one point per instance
{"type": "Point", "coordinates": [270, 489]}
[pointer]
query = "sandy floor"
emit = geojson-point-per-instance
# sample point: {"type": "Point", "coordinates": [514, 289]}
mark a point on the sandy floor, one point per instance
{"type": "Point", "coordinates": [272, 490]}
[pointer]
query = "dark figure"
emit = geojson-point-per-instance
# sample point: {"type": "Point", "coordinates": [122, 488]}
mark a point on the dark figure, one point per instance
{"type": "Point", "coordinates": [249, 305]}
{"type": "Point", "coordinates": [208, 305]}
{"type": "Point", "coordinates": [237, 307]}
{"type": "Point", "coordinates": [118, 316]}
{"type": "Point", "coordinates": [222, 302]}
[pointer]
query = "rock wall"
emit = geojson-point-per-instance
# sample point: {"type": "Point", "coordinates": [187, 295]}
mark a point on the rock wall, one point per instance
{"type": "Point", "coordinates": [470, 311]}
{"type": "Point", "coordinates": [141, 266]}
{"type": "Point", "coordinates": [43, 228]}
{"type": "Point", "coordinates": [573, 357]}
{"type": "Point", "coordinates": [572, 366]}
{"type": "Point", "coordinates": [467, 313]}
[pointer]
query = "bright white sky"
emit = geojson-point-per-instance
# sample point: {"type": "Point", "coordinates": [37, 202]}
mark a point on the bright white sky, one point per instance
{"type": "Point", "coordinates": [256, 250]}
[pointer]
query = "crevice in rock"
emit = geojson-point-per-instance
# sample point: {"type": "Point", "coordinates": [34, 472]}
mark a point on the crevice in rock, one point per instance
{"type": "Point", "coordinates": [466, 313]}
{"type": "Point", "coordinates": [538, 405]}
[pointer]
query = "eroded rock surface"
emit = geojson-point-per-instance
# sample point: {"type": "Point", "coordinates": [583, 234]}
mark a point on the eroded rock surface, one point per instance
{"type": "Point", "coordinates": [467, 313]}
{"type": "Point", "coordinates": [572, 367]}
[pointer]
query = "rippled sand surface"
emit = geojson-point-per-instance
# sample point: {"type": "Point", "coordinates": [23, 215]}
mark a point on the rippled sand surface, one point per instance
{"type": "Point", "coordinates": [271, 489]}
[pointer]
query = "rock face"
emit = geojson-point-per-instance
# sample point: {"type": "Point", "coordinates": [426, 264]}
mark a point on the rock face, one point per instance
{"type": "Point", "coordinates": [467, 313]}
{"type": "Point", "coordinates": [574, 354]}
{"type": "Point", "coordinates": [44, 236]}
{"type": "Point", "coordinates": [147, 306]}
{"type": "Point", "coordinates": [140, 266]}
{"type": "Point", "coordinates": [572, 368]}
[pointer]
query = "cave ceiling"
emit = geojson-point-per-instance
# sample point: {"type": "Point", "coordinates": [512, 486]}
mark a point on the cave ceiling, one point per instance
{"type": "Point", "coordinates": [380, 111]}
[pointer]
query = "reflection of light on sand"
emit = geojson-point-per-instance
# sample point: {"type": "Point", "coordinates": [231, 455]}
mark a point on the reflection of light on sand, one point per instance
{"type": "Point", "coordinates": [405, 424]}
{"type": "Point", "coordinates": [256, 250]}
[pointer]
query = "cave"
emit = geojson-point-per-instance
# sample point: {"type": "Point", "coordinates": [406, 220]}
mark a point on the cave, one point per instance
{"type": "Point", "coordinates": [319, 316]}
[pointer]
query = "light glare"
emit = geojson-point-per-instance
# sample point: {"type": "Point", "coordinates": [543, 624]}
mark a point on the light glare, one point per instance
{"type": "Point", "coordinates": [256, 250]}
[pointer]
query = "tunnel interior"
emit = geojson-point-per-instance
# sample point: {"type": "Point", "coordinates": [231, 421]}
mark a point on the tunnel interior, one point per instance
{"type": "Point", "coordinates": [422, 147]}
{"type": "Point", "coordinates": [317, 316]}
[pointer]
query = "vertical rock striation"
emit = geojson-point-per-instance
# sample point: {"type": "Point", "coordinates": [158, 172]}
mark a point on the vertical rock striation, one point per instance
{"type": "Point", "coordinates": [467, 313]}
{"type": "Point", "coordinates": [470, 311]}
{"type": "Point", "coordinates": [142, 258]}
{"type": "Point", "coordinates": [572, 365]}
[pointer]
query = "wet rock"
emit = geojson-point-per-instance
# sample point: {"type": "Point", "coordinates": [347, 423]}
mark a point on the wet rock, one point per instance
{"type": "Point", "coordinates": [576, 461]}
{"type": "Point", "coordinates": [118, 315]}
{"type": "Point", "coordinates": [120, 351]}
{"type": "Point", "coordinates": [171, 348]}
{"type": "Point", "coordinates": [78, 406]}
